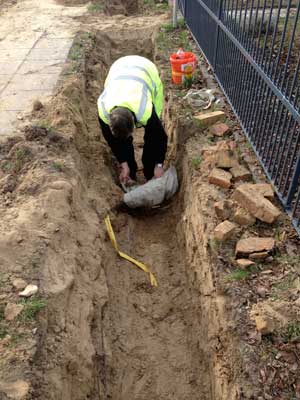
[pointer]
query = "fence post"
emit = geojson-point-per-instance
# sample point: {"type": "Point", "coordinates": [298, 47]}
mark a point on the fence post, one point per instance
{"type": "Point", "coordinates": [217, 35]}
{"type": "Point", "coordinates": [175, 8]}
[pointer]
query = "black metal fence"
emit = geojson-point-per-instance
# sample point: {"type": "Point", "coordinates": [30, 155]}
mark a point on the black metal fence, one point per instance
{"type": "Point", "coordinates": [254, 49]}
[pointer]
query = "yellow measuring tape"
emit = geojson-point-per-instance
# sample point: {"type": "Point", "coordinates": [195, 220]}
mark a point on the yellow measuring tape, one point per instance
{"type": "Point", "coordinates": [112, 237]}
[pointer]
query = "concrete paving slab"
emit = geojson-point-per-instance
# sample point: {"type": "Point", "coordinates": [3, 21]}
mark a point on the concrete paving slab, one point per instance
{"type": "Point", "coordinates": [32, 82]}
{"type": "Point", "coordinates": [13, 54]}
{"type": "Point", "coordinates": [52, 53]}
{"type": "Point", "coordinates": [9, 68]}
{"type": "Point", "coordinates": [46, 43]}
{"type": "Point", "coordinates": [43, 67]}
{"type": "Point", "coordinates": [20, 44]}
{"type": "Point", "coordinates": [13, 37]}
{"type": "Point", "coordinates": [60, 35]}
{"type": "Point", "coordinates": [21, 100]}
{"type": "Point", "coordinates": [35, 38]}
{"type": "Point", "coordinates": [3, 81]}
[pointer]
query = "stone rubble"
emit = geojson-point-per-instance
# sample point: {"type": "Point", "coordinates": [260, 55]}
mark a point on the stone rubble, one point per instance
{"type": "Point", "coordinates": [225, 230]}
{"type": "Point", "coordinates": [220, 178]}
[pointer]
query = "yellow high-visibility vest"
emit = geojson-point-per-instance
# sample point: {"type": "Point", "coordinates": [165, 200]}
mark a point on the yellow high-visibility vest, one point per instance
{"type": "Point", "coordinates": [132, 82]}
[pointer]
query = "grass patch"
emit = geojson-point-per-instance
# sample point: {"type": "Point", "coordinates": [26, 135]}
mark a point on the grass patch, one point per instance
{"type": "Point", "coordinates": [248, 145]}
{"type": "Point", "coordinates": [170, 39]}
{"type": "Point", "coordinates": [58, 166]}
{"type": "Point", "coordinates": [20, 159]}
{"type": "Point", "coordinates": [292, 331]}
{"type": "Point", "coordinates": [17, 161]}
{"type": "Point", "coordinates": [73, 68]}
{"type": "Point", "coordinates": [290, 260]}
{"type": "Point", "coordinates": [287, 284]}
{"type": "Point", "coordinates": [7, 166]}
{"type": "Point", "coordinates": [36, 261]}
{"type": "Point", "coordinates": [152, 5]}
{"type": "Point", "coordinates": [1, 313]}
{"type": "Point", "coordinates": [3, 331]}
{"type": "Point", "coordinates": [196, 162]}
{"type": "Point", "coordinates": [95, 8]}
{"type": "Point", "coordinates": [170, 28]}
{"type": "Point", "coordinates": [43, 123]}
{"type": "Point", "coordinates": [211, 139]}
{"type": "Point", "coordinates": [214, 245]}
{"type": "Point", "coordinates": [184, 40]}
{"type": "Point", "coordinates": [3, 328]}
{"type": "Point", "coordinates": [237, 275]}
{"type": "Point", "coordinates": [76, 51]}
{"type": "Point", "coordinates": [16, 338]}
{"type": "Point", "coordinates": [31, 307]}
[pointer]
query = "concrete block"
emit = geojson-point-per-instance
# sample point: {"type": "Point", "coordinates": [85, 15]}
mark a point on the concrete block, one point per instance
{"type": "Point", "coordinates": [209, 118]}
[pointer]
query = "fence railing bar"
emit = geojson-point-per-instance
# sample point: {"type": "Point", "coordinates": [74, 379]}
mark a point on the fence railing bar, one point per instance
{"type": "Point", "coordinates": [281, 150]}
{"type": "Point", "coordinates": [289, 159]}
{"type": "Point", "coordinates": [260, 121]}
{"type": "Point", "coordinates": [290, 46]}
{"type": "Point", "coordinates": [252, 47]}
{"type": "Point", "coordinates": [270, 64]}
{"type": "Point", "coordinates": [295, 207]}
{"type": "Point", "coordinates": [274, 74]}
{"type": "Point", "coordinates": [257, 49]}
{"type": "Point", "coordinates": [260, 106]}
{"type": "Point", "coordinates": [249, 42]}
{"type": "Point", "coordinates": [254, 27]}
{"type": "Point", "coordinates": [244, 24]}
{"type": "Point", "coordinates": [267, 117]}
{"type": "Point", "coordinates": [280, 96]}
{"type": "Point", "coordinates": [286, 183]}
{"type": "Point", "coordinates": [267, 34]}
{"type": "Point", "coordinates": [270, 127]}
{"type": "Point", "coordinates": [274, 129]}
{"type": "Point", "coordinates": [293, 185]}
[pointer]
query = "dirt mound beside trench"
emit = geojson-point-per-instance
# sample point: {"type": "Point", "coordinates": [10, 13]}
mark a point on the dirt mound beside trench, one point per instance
{"type": "Point", "coordinates": [127, 7]}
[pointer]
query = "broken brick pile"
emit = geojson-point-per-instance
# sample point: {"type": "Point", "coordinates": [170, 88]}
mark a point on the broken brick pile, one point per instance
{"type": "Point", "coordinates": [246, 202]}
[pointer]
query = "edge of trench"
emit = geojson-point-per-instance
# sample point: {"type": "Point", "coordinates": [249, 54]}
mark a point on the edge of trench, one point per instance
{"type": "Point", "coordinates": [79, 332]}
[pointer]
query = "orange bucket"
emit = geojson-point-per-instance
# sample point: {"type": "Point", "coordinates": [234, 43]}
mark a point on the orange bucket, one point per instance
{"type": "Point", "coordinates": [183, 66]}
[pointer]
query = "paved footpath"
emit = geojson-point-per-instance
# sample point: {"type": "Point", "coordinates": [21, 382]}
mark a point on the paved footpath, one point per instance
{"type": "Point", "coordinates": [35, 38]}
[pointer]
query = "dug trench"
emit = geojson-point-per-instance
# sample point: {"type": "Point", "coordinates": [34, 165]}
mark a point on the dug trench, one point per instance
{"type": "Point", "coordinates": [105, 333]}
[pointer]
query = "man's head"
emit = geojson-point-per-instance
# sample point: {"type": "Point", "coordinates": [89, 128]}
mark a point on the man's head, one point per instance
{"type": "Point", "coordinates": [121, 122]}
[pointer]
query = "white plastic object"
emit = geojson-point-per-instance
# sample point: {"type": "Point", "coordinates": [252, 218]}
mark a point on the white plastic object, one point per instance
{"type": "Point", "coordinates": [153, 192]}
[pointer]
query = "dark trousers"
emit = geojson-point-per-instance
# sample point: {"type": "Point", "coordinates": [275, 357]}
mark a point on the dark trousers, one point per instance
{"type": "Point", "coordinates": [155, 146]}
{"type": "Point", "coordinates": [148, 157]}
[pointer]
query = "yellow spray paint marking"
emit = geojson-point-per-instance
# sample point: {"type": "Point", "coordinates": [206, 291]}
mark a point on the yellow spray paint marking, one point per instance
{"type": "Point", "coordinates": [112, 237]}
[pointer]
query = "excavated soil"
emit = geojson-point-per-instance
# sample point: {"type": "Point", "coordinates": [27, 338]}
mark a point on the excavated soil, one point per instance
{"type": "Point", "coordinates": [97, 329]}
{"type": "Point", "coordinates": [142, 342]}
{"type": "Point", "coordinates": [105, 332]}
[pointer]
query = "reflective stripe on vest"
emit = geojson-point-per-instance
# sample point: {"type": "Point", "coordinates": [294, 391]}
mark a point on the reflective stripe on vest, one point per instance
{"type": "Point", "coordinates": [103, 106]}
{"type": "Point", "coordinates": [146, 72]}
{"type": "Point", "coordinates": [144, 98]}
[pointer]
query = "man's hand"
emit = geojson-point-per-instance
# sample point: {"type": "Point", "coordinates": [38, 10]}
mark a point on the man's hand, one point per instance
{"type": "Point", "coordinates": [125, 172]}
{"type": "Point", "coordinates": [158, 171]}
